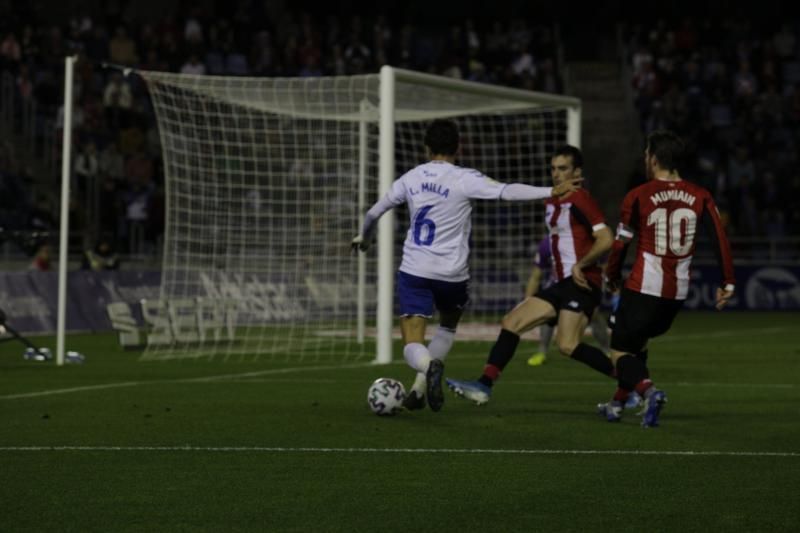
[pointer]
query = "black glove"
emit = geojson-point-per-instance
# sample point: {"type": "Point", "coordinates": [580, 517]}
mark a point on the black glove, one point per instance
{"type": "Point", "coordinates": [359, 243]}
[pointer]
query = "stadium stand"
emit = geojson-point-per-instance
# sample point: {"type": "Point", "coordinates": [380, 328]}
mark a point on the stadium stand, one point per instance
{"type": "Point", "coordinates": [118, 182]}
{"type": "Point", "coordinates": [730, 86]}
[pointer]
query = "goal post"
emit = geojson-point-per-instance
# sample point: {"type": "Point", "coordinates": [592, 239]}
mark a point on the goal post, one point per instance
{"type": "Point", "coordinates": [267, 181]}
{"type": "Point", "coordinates": [494, 99]}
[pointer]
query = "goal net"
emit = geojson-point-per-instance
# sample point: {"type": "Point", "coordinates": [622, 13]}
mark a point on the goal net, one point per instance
{"type": "Point", "coordinates": [268, 179]}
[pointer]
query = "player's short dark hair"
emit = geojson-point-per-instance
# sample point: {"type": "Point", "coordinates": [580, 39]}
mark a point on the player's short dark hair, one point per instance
{"type": "Point", "coordinates": [442, 137]}
{"type": "Point", "coordinates": [667, 147]}
{"type": "Point", "coordinates": [573, 152]}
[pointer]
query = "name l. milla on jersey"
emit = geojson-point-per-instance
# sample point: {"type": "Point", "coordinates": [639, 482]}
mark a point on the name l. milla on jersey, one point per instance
{"type": "Point", "coordinates": [431, 187]}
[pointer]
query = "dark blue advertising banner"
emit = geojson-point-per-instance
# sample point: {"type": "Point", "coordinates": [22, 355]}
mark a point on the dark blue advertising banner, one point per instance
{"type": "Point", "coordinates": [769, 288]}
{"type": "Point", "coordinates": [30, 298]}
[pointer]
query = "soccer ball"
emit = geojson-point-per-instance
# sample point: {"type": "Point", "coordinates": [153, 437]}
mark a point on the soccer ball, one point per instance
{"type": "Point", "coordinates": [385, 396]}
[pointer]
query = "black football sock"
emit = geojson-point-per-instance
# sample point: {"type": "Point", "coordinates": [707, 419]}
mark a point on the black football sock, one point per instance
{"type": "Point", "coordinates": [594, 357]}
{"type": "Point", "coordinates": [642, 356]}
{"type": "Point", "coordinates": [630, 371]}
{"type": "Point", "coordinates": [501, 353]}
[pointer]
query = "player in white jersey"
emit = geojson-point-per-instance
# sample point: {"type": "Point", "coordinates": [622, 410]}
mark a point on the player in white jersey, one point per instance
{"type": "Point", "coordinates": [434, 270]}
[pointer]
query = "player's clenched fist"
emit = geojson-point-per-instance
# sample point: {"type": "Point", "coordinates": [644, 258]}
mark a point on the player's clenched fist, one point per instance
{"type": "Point", "coordinates": [359, 243]}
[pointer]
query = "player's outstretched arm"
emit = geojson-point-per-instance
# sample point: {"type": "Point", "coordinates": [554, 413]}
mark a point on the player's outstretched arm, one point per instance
{"type": "Point", "coordinates": [521, 191]}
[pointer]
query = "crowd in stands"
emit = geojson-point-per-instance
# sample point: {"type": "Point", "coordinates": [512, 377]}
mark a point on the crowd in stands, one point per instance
{"type": "Point", "coordinates": [118, 176]}
{"type": "Point", "coordinates": [731, 88]}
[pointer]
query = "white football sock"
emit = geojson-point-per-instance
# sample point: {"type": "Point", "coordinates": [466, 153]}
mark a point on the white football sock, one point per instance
{"type": "Point", "coordinates": [417, 356]}
{"type": "Point", "coordinates": [441, 343]}
{"type": "Point", "coordinates": [545, 336]}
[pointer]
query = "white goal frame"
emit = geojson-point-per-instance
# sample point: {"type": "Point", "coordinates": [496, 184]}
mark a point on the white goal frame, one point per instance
{"type": "Point", "coordinates": [387, 118]}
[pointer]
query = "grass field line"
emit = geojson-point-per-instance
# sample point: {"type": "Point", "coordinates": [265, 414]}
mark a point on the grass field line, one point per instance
{"type": "Point", "coordinates": [547, 383]}
{"type": "Point", "coordinates": [220, 377]}
{"type": "Point", "coordinates": [248, 377]}
{"type": "Point", "coordinates": [476, 451]}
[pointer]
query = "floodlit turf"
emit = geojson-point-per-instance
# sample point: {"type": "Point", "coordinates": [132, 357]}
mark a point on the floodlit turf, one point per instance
{"type": "Point", "coordinates": [122, 445]}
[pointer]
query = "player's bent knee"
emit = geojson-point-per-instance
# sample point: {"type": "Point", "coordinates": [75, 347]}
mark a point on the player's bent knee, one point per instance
{"type": "Point", "coordinates": [566, 348]}
{"type": "Point", "coordinates": [528, 314]}
{"type": "Point", "coordinates": [513, 323]}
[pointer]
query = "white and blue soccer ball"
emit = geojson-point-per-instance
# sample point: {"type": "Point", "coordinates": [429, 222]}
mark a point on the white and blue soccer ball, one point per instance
{"type": "Point", "coordinates": [385, 396]}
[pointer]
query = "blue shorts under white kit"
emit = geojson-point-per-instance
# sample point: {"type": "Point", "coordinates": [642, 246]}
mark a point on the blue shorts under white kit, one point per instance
{"type": "Point", "coordinates": [418, 296]}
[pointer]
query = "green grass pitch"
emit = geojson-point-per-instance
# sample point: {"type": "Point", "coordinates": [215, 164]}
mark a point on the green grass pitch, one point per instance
{"type": "Point", "coordinates": [196, 445]}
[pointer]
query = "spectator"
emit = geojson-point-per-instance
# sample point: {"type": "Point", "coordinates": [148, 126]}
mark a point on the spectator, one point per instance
{"type": "Point", "coordinates": [236, 64]}
{"type": "Point", "coordinates": [117, 99]}
{"type": "Point", "coordinates": [337, 65]}
{"type": "Point", "coordinates": [263, 54]}
{"type": "Point", "coordinates": [775, 224]}
{"type": "Point", "coordinates": [309, 56]}
{"type": "Point", "coordinates": [523, 64]}
{"type": "Point", "coordinates": [549, 80]}
{"type": "Point", "coordinates": [40, 216]}
{"type": "Point", "coordinates": [102, 257]}
{"type": "Point", "coordinates": [745, 84]}
{"type": "Point", "coordinates": [170, 51]}
{"type": "Point", "coordinates": [784, 42]}
{"type": "Point", "coordinates": [772, 103]}
{"type": "Point", "coordinates": [30, 46]}
{"type": "Point", "coordinates": [122, 49]}
{"type": "Point", "coordinates": [497, 44]}
{"type": "Point", "coordinates": [46, 92]}
{"type": "Point", "coordinates": [54, 48]}
{"type": "Point", "coordinates": [193, 66]}
{"type": "Point", "coordinates": [111, 162]}
{"type": "Point", "coordinates": [136, 200]}
{"type": "Point", "coordinates": [109, 211]}
{"type": "Point", "coordinates": [357, 55]}
{"type": "Point", "coordinates": [42, 259]}
{"type": "Point", "coordinates": [117, 93]}
{"type": "Point", "coordinates": [193, 30]}
{"type": "Point", "coordinates": [87, 167]}
{"type": "Point", "coordinates": [24, 83]}
{"type": "Point", "coordinates": [139, 168]}
{"type": "Point", "coordinates": [77, 115]}
{"type": "Point", "coordinates": [97, 46]}
{"type": "Point", "coordinates": [686, 36]}
{"type": "Point", "coordinates": [10, 50]}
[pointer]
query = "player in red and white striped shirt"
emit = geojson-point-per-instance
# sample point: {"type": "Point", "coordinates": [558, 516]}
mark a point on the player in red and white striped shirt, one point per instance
{"type": "Point", "coordinates": [579, 237]}
{"type": "Point", "coordinates": [665, 213]}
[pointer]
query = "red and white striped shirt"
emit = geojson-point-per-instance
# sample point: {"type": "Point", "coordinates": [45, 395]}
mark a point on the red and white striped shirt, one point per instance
{"type": "Point", "coordinates": [571, 221]}
{"type": "Point", "coordinates": [665, 214]}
